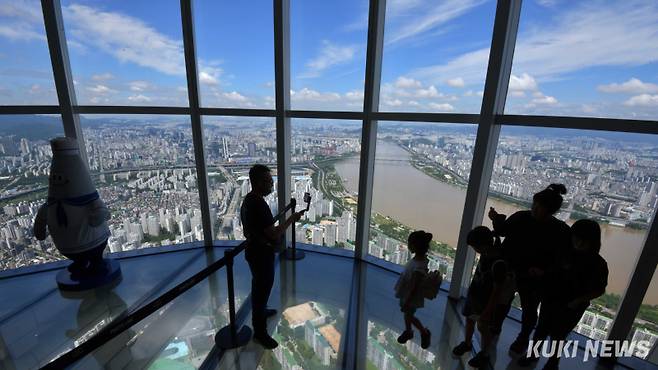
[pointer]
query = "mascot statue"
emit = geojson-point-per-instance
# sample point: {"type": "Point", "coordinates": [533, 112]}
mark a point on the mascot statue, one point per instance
{"type": "Point", "coordinates": [76, 218]}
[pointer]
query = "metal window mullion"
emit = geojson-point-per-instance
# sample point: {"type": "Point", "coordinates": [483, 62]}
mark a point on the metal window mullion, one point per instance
{"type": "Point", "coordinates": [59, 58]}
{"type": "Point", "coordinates": [638, 285]}
{"type": "Point", "coordinates": [376, 18]}
{"type": "Point", "coordinates": [493, 102]}
{"type": "Point", "coordinates": [195, 117]}
{"type": "Point", "coordinates": [282, 95]}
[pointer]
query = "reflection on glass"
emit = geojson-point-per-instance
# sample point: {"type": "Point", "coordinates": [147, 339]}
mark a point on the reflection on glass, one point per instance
{"type": "Point", "coordinates": [421, 172]}
{"type": "Point", "coordinates": [645, 327]}
{"type": "Point", "coordinates": [325, 161]}
{"type": "Point", "coordinates": [233, 145]}
{"type": "Point", "coordinates": [25, 158]}
{"type": "Point", "coordinates": [308, 336]}
{"type": "Point", "coordinates": [610, 178]}
{"type": "Point", "coordinates": [144, 171]}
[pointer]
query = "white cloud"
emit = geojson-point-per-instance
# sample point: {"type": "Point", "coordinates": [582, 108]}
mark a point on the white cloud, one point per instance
{"type": "Point", "coordinates": [207, 78]}
{"type": "Point", "coordinates": [643, 100]}
{"type": "Point", "coordinates": [307, 94]}
{"type": "Point", "coordinates": [632, 86]}
{"type": "Point", "coordinates": [541, 99]}
{"type": "Point", "coordinates": [620, 33]}
{"type": "Point", "coordinates": [407, 83]}
{"type": "Point", "coordinates": [101, 89]}
{"type": "Point", "coordinates": [456, 82]}
{"type": "Point", "coordinates": [235, 97]}
{"type": "Point", "coordinates": [517, 94]}
{"type": "Point", "coordinates": [426, 18]}
{"type": "Point", "coordinates": [21, 20]}
{"type": "Point", "coordinates": [430, 92]}
{"type": "Point", "coordinates": [523, 83]}
{"type": "Point", "coordinates": [330, 55]}
{"type": "Point", "coordinates": [140, 85]}
{"type": "Point", "coordinates": [444, 107]}
{"type": "Point", "coordinates": [209, 73]}
{"type": "Point", "coordinates": [139, 98]}
{"type": "Point", "coordinates": [392, 102]}
{"type": "Point", "coordinates": [354, 95]}
{"type": "Point", "coordinates": [102, 77]}
{"type": "Point", "coordinates": [126, 38]}
{"type": "Point", "coordinates": [547, 3]}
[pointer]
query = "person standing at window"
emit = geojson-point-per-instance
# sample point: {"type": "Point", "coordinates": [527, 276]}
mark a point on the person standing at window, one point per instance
{"type": "Point", "coordinates": [262, 236]}
{"type": "Point", "coordinates": [533, 240]}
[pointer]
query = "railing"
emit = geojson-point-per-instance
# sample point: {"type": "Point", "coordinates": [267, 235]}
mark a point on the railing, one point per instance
{"type": "Point", "coordinates": [227, 337]}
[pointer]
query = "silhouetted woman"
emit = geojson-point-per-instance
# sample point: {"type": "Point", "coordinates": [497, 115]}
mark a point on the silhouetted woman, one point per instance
{"type": "Point", "coordinates": [580, 276]}
{"type": "Point", "coordinates": [533, 240]}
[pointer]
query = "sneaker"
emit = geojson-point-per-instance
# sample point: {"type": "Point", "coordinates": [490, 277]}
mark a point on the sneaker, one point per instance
{"type": "Point", "coordinates": [266, 341]}
{"type": "Point", "coordinates": [425, 339]}
{"type": "Point", "coordinates": [269, 312]}
{"type": "Point", "coordinates": [479, 361]}
{"type": "Point", "coordinates": [461, 349]}
{"type": "Point", "coordinates": [519, 346]}
{"type": "Point", "coordinates": [526, 361]}
{"type": "Point", "coordinates": [405, 336]}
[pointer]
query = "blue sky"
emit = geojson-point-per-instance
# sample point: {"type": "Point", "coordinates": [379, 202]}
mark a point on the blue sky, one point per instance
{"type": "Point", "coordinates": [581, 58]}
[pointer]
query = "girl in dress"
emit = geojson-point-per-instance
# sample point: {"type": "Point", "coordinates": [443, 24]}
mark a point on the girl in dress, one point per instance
{"type": "Point", "coordinates": [409, 287]}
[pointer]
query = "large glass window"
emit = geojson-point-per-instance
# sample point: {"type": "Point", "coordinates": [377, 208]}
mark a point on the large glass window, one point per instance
{"type": "Point", "coordinates": [586, 58]}
{"type": "Point", "coordinates": [26, 75]}
{"type": "Point", "coordinates": [325, 163]}
{"type": "Point", "coordinates": [233, 145]}
{"type": "Point", "coordinates": [236, 70]}
{"type": "Point", "coordinates": [126, 53]}
{"type": "Point", "coordinates": [610, 178]}
{"type": "Point", "coordinates": [421, 173]}
{"type": "Point", "coordinates": [145, 173]}
{"type": "Point", "coordinates": [435, 55]}
{"type": "Point", "coordinates": [328, 53]}
{"type": "Point", "coordinates": [25, 158]}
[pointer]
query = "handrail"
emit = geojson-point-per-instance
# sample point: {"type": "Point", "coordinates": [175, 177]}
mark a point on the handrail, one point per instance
{"type": "Point", "coordinates": [117, 327]}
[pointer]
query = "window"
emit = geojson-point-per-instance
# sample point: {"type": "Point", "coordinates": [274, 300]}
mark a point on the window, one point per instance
{"type": "Point", "coordinates": [126, 53]}
{"type": "Point", "coordinates": [609, 178]}
{"type": "Point", "coordinates": [233, 145]}
{"type": "Point", "coordinates": [328, 53]}
{"type": "Point", "coordinates": [26, 75]}
{"type": "Point", "coordinates": [325, 163]}
{"type": "Point", "coordinates": [25, 158]}
{"type": "Point", "coordinates": [145, 173]}
{"type": "Point", "coordinates": [645, 326]}
{"type": "Point", "coordinates": [421, 173]}
{"type": "Point", "coordinates": [586, 58]}
{"type": "Point", "coordinates": [435, 55]}
{"type": "Point", "coordinates": [235, 46]}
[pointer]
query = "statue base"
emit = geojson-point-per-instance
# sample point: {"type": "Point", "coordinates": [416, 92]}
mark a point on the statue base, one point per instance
{"type": "Point", "coordinates": [90, 281]}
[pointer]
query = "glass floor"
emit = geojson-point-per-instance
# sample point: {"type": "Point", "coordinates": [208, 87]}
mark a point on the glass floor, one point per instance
{"type": "Point", "coordinates": [334, 313]}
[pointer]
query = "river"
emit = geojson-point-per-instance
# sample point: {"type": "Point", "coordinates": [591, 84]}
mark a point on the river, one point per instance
{"type": "Point", "coordinates": [420, 201]}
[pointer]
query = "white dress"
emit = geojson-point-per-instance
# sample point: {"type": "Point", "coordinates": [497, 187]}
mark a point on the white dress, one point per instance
{"type": "Point", "coordinates": [403, 285]}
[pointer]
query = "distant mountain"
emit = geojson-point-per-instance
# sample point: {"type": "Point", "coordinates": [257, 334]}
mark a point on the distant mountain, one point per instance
{"type": "Point", "coordinates": [31, 127]}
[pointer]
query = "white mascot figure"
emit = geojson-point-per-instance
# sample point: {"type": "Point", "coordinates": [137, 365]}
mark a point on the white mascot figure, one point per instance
{"type": "Point", "coordinates": [75, 215]}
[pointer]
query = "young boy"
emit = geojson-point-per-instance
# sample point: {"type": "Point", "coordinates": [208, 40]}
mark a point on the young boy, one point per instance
{"type": "Point", "coordinates": [490, 291]}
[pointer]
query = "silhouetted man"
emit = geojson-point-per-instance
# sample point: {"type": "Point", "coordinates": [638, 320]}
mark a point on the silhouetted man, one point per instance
{"type": "Point", "coordinates": [262, 236]}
